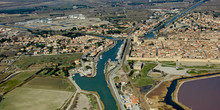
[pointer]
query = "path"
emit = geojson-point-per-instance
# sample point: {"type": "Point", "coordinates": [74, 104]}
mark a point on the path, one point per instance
{"type": "Point", "coordinates": [79, 90]}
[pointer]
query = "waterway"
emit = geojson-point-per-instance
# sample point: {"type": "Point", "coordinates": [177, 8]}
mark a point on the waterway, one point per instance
{"type": "Point", "coordinates": [203, 94]}
{"type": "Point", "coordinates": [98, 83]}
{"type": "Point", "coordinates": [168, 98]}
{"type": "Point", "coordinates": [152, 35]}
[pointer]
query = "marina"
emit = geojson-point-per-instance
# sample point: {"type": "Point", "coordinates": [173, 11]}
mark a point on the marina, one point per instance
{"type": "Point", "coordinates": [98, 83]}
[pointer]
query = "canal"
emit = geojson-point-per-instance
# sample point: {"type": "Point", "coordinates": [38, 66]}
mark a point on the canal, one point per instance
{"type": "Point", "coordinates": [152, 35]}
{"type": "Point", "coordinates": [98, 83]}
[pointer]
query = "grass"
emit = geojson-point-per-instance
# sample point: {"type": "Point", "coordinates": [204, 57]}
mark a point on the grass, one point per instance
{"type": "Point", "coordinates": [45, 93]}
{"type": "Point", "coordinates": [51, 83]}
{"type": "Point", "coordinates": [19, 78]}
{"type": "Point", "coordinates": [4, 75]}
{"type": "Point", "coordinates": [168, 63]}
{"type": "Point", "coordinates": [202, 67]}
{"type": "Point", "coordinates": [193, 71]}
{"type": "Point", "coordinates": [60, 73]}
{"type": "Point", "coordinates": [44, 72]}
{"type": "Point", "coordinates": [2, 67]}
{"type": "Point", "coordinates": [63, 59]}
{"type": "Point", "coordinates": [51, 72]}
{"type": "Point", "coordinates": [93, 101]}
{"type": "Point", "coordinates": [144, 80]}
{"type": "Point", "coordinates": [116, 79]}
{"type": "Point", "coordinates": [2, 104]}
{"type": "Point", "coordinates": [180, 69]}
{"type": "Point", "coordinates": [125, 68]}
{"type": "Point", "coordinates": [147, 67]}
{"type": "Point", "coordinates": [23, 98]}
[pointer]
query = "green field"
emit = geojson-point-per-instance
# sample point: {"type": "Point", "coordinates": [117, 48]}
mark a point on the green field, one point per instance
{"type": "Point", "coordinates": [50, 83]}
{"type": "Point", "coordinates": [19, 78]}
{"type": "Point", "coordinates": [168, 63]}
{"type": "Point", "coordinates": [63, 59]}
{"type": "Point", "coordinates": [125, 67]}
{"type": "Point", "coordinates": [34, 99]}
{"type": "Point", "coordinates": [144, 80]}
{"type": "Point", "coordinates": [193, 71]}
{"type": "Point", "coordinates": [93, 101]}
{"type": "Point", "coordinates": [203, 67]}
{"type": "Point", "coordinates": [53, 72]}
{"type": "Point", "coordinates": [147, 67]}
{"type": "Point", "coordinates": [60, 73]}
{"type": "Point", "coordinates": [2, 67]}
{"type": "Point", "coordinates": [41, 93]}
{"type": "Point", "coordinates": [4, 75]}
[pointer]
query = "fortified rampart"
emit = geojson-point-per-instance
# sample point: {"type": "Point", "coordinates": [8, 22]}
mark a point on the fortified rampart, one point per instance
{"type": "Point", "coordinates": [175, 59]}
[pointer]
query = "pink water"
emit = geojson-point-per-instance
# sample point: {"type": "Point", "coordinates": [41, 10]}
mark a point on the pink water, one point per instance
{"type": "Point", "coordinates": [201, 94]}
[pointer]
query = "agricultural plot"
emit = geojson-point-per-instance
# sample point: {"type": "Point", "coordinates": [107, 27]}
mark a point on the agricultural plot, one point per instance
{"type": "Point", "coordinates": [2, 67]}
{"type": "Point", "coordinates": [41, 93]}
{"type": "Point", "coordinates": [16, 80]}
{"type": "Point", "coordinates": [34, 99]}
{"type": "Point", "coordinates": [55, 72]}
{"type": "Point", "coordinates": [4, 75]}
{"type": "Point", "coordinates": [50, 83]}
{"type": "Point", "coordinates": [64, 59]}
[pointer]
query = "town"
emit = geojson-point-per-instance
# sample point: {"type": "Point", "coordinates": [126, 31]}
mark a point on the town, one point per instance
{"type": "Point", "coordinates": [108, 55]}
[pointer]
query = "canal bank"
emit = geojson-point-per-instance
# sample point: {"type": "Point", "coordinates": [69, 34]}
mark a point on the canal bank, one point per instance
{"type": "Point", "coordinates": [171, 97]}
{"type": "Point", "coordinates": [98, 83]}
{"type": "Point", "coordinates": [152, 35]}
{"type": "Point", "coordinates": [95, 60]}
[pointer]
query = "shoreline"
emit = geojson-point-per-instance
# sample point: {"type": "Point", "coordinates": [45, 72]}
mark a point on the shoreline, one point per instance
{"type": "Point", "coordinates": [96, 59]}
{"type": "Point", "coordinates": [180, 82]}
{"type": "Point", "coordinates": [107, 76]}
{"type": "Point", "coordinates": [79, 90]}
{"type": "Point", "coordinates": [106, 79]}
{"type": "Point", "coordinates": [99, 98]}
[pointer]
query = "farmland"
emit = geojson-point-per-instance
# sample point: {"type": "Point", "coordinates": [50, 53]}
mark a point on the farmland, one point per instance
{"type": "Point", "coordinates": [64, 59]}
{"type": "Point", "coordinates": [50, 83]}
{"type": "Point", "coordinates": [13, 82]}
{"type": "Point", "coordinates": [40, 92]}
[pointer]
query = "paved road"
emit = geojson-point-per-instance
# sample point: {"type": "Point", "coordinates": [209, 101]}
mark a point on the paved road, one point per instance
{"type": "Point", "coordinates": [79, 90]}
{"type": "Point", "coordinates": [110, 78]}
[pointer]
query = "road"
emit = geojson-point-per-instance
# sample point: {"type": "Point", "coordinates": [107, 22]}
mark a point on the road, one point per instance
{"type": "Point", "coordinates": [110, 75]}
{"type": "Point", "coordinates": [110, 78]}
{"type": "Point", "coordinates": [79, 90]}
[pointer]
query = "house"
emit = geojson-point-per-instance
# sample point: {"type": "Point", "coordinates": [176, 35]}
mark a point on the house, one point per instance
{"type": "Point", "coordinates": [77, 61]}
{"type": "Point", "coordinates": [134, 99]}
{"type": "Point", "coordinates": [128, 105]}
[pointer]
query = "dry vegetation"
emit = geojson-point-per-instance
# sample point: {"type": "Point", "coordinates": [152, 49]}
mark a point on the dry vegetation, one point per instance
{"type": "Point", "coordinates": [211, 5]}
{"type": "Point", "coordinates": [157, 96]}
{"type": "Point", "coordinates": [40, 92]}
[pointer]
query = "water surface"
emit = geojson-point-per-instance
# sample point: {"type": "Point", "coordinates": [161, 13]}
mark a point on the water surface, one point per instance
{"type": "Point", "coordinates": [203, 94]}
{"type": "Point", "coordinates": [152, 35]}
{"type": "Point", "coordinates": [98, 83]}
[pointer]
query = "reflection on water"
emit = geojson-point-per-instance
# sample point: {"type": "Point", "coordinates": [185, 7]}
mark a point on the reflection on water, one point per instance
{"type": "Point", "coordinates": [201, 94]}
{"type": "Point", "coordinates": [98, 83]}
